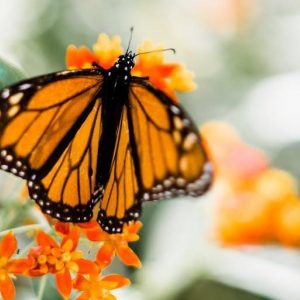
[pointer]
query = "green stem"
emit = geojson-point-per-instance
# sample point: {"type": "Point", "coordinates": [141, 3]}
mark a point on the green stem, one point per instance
{"type": "Point", "coordinates": [42, 287]}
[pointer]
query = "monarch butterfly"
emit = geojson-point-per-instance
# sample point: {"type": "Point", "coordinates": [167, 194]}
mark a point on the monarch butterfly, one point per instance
{"type": "Point", "coordinates": [96, 136]}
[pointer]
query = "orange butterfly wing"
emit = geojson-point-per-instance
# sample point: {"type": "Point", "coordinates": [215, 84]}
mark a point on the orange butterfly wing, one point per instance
{"type": "Point", "coordinates": [50, 131]}
{"type": "Point", "coordinates": [158, 154]}
{"type": "Point", "coordinates": [171, 154]}
{"type": "Point", "coordinates": [120, 203]}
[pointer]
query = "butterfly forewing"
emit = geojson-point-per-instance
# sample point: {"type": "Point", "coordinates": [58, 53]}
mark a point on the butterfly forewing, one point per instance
{"type": "Point", "coordinates": [171, 156]}
{"type": "Point", "coordinates": [51, 126]}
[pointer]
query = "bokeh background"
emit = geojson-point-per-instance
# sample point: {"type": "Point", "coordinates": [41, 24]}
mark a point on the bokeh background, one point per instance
{"type": "Point", "coordinates": [246, 58]}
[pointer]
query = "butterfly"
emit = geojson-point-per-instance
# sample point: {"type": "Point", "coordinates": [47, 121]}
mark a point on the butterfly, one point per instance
{"type": "Point", "coordinates": [98, 141]}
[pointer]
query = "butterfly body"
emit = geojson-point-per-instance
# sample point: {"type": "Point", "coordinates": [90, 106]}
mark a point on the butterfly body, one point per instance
{"type": "Point", "coordinates": [114, 96]}
{"type": "Point", "coordinates": [84, 137]}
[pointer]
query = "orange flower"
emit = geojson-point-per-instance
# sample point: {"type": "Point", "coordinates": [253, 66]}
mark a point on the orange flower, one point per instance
{"type": "Point", "coordinates": [229, 15]}
{"type": "Point", "coordinates": [169, 77]}
{"type": "Point", "coordinates": [252, 212]}
{"type": "Point", "coordinates": [256, 203]}
{"type": "Point", "coordinates": [116, 244]}
{"type": "Point", "coordinates": [231, 157]}
{"type": "Point", "coordinates": [10, 267]}
{"type": "Point", "coordinates": [94, 287]}
{"type": "Point", "coordinates": [61, 260]}
{"type": "Point", "coordinates": [62, 227]}
{"type": "Point", "coordinates": [106, 52]}
{"type": "Point", "coordinates": [288, 225]}
{"type": "Point", "coordinates": [79, 58]}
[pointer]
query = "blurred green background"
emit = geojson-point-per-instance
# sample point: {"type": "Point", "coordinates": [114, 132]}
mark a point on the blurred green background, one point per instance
{"type": "Point", "coordinates": [246, 58]}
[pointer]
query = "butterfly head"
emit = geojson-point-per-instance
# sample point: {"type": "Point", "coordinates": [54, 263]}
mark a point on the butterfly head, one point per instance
{"type": "Point", "coordinates": [125, 63]}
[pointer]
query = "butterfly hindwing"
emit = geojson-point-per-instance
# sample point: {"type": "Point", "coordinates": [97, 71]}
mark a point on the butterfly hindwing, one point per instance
{"type": "Point", "coordinates": [69, 190]}
{"type": "Point", "coordinates": [50, 131]}
{"type": "Point", "coordinates": [120, 201]}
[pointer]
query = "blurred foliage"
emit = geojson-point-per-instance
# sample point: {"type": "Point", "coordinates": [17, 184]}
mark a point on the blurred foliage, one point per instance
{"type": "Point", "coordinates": [9, 74]}
{"type": "Point", "coordinates": [286, 158]}
{"type": "Point", "coordinates": [212, 290]}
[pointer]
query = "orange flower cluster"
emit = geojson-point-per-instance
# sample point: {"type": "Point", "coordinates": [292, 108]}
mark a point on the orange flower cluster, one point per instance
{"type": "Point", "coordinates": [256, 203]}
{"type": "Point", "coordinates": [169, 77]}
{"type": "Point", "coordinates": [66, 262]}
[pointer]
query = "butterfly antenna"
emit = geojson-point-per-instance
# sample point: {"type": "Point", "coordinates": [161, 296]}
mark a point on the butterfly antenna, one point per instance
{"type": "Point", "coordinates": [159, 50]}
{"type": "Point", "coordinates": [130, 39]}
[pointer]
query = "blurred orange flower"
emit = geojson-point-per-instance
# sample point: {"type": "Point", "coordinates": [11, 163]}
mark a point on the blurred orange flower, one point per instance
{"type": "Point", "coordinates": [94, 287]}
{"type": "Point", "coordinates": [10, 267]}
{"type": "Point", "coordinates": [169, 77]}
{"type": "Point", "coordinates": [61, 260]}
{"type": "Point", "coordinates": [106, 51]}
{"type": "Point", "coordinates": [228, 15]}
{"type": "Point", "coordinates": [116, 244]}
{"type": "Point", "coordinates": [79, 58]}
{"type": "Point", "coordinates": [256, 203]}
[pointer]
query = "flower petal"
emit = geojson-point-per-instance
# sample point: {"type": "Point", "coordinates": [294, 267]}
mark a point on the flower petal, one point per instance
{"type": "Point", "coordinates": [128, 257]}
{"type": "Point", "coordinates": [118, 279]}
{"type": "Point", "coordinates": [73, 235]}
{"type": "Point", "coordinates": [182, 80]}
{"type": "Point", "coordinates": [154, 58]}
{"type": "Point", "coordinates": [134, 227]}
{"type": "Point", "coordinates": [105, 255]}
{"type": "Point", "coordinates": [7, 289]}
{"type": "Point", "coordinates": [81, 283]}
{"type": "Point", "coordinates": [107, 50]}
{"type": "Point", "coordinates": [90, 224]}
{"type": "Point", "coordinates": [61, 227]}
{"type": "Point", "coordinates": [84, 296]}
{"type": "Point", "coordinates": [96, 234]}
{"type": "Point", "coordinates": [110, 297]}
{"type": "Point", "coordinates": [43, 239]}
{"type": "Point", "coordinates": [132, 231]}
{"type": "Point", "coordinates": [64, 283]}
{"type": "Point", "coordinates": [77, 58]}
{"type": "Point", "coordinates": [8, 245]}
{"type": "Point", "coordinates": [67, 245]}
{"type": "Point", "coordinates": [20, 266]}
{"type": "Point", "coordinates": [86, 266]}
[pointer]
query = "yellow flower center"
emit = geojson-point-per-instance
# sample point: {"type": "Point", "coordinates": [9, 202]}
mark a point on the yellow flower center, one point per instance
{"type": "Point", "coordinates": [42, 259]}
{"type": "Point", "coordinates": [56, 259]}
{"type": "Point", "coordinates": [66, 257]}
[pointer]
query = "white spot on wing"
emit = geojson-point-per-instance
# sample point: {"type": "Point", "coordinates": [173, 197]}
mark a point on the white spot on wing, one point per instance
{"type": "Point", "coordinates": [16, 98]}
{"type": "Point", "coordinates": [24, 86]}
{"type": "Point", "coordinates": [175, 110]}
{"type": "Point", "coordinates": [5, 93]}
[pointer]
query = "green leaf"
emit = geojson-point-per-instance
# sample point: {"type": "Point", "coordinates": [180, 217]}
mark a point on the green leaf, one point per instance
{"type": "Point", "coordinates": [9, 74]}
{"type": "Point", "coordinates": [45, 288]}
